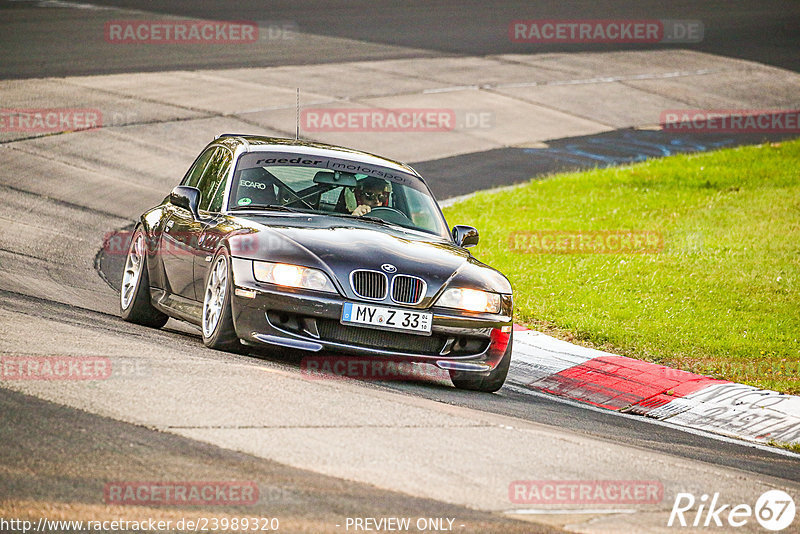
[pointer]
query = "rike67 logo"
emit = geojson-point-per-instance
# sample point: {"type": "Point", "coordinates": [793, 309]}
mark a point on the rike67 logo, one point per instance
{"type": "Point", "coordinates": [774, 510]}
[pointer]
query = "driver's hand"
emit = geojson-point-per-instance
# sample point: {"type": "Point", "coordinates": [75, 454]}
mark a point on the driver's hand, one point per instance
{"type": "Point", "coordinates": [363, 209]}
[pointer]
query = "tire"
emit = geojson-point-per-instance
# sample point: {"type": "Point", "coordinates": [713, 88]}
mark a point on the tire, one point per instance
{"type": "Point", "coordinates": [487, 382]}
{"type": "Point", "coordinates": [217, 318]}
{"type": "Point", "coordinates": [135, 305]}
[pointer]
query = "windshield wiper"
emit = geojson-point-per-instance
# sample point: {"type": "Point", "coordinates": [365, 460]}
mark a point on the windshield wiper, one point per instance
{"type": "Point", "coordinates": [384, 222]}
{"type": "Point", "coordinates": [355, 218]}
{"type": "Point", "coordinates": [271, 207]}
{"type": "Point", "coordinates": [376, 219]}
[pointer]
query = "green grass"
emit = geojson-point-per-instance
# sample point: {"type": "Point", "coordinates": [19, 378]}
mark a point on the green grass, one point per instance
{"type": "Point", "coordinates": [794, 447]}
{"type": "Point", "coordinates": [721, 296]}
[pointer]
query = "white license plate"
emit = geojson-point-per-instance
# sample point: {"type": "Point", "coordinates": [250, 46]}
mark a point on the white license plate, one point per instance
{"type": "Point", "coordinates": [387, 318]}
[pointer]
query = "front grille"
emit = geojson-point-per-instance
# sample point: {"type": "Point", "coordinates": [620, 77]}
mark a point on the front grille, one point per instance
{"type": "Point", "coordinates": [408, 289]}
{"type": "Point", "coordinates": [330, 330]}
{"type": "Point", "coordinates": [369, 284]}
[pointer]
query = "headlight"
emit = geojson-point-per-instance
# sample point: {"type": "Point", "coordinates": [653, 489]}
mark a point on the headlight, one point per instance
{"type": "Point", "coordinates": [285, 274]}
{"type": "Point", "coordinates": [470, 299]}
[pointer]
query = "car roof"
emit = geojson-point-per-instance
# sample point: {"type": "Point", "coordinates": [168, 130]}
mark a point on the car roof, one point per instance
{"type": "Point", "coordinates": [258, 143]}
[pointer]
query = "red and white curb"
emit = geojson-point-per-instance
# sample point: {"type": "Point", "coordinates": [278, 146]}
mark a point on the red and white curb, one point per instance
{"type": "Point", "coordinates": [615, 382]}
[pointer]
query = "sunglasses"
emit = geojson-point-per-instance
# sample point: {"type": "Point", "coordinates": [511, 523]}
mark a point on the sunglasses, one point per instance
{"type": "Point", "coordinates": [369, 195]}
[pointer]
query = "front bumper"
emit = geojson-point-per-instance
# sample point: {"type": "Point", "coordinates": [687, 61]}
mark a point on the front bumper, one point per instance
{"type": "Point", "coordinates": [308, 320]}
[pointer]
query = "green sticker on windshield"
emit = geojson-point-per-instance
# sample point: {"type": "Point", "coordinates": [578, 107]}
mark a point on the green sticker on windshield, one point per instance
{"type": "Point", "coordinates": [244, 201]}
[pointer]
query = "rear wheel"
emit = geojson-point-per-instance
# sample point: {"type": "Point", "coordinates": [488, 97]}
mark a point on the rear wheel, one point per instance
{"type": "Point", "coordinates": [487, 382]}
{"type": "Point", "coordinates": [135, 305]}
{"type": "Point", "coordinates": [217, 322]}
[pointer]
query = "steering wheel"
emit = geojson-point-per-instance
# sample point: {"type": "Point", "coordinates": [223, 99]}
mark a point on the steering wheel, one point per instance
{"type": "Point", "coordinates": [388, 214]}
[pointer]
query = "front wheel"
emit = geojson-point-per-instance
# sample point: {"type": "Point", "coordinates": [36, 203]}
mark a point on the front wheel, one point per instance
{"type": "Point", "coordinates": [135, 305]}
{"type": "Point", "coordinates": [488, 381]}
{"type": "Point", "coordinates": [217, 321]}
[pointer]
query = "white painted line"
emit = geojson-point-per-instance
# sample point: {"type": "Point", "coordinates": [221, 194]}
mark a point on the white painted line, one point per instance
{"type": "Point", "coordinates": [537, 341]}
{"type": "Point", "coordinates": [521, 388]}
{"type": "Point", "coordinates": [537, 356]}
{"type": "Point", "coordinates": [743, 411]}
{"type": "Point", "coordinates": [453, 89]}
{"type": "Point", "coordinates": [64, 3]}
{"type": "Point", "coordinates": [673, 407]}
{"type": "Point", "coordinates": [586, 81]}
{"type": "Point", "coordinates": [750, 396]}
{"type": "Point", "coordinates": [736, 410]}
{"type": "Point", "coordinates": [447, 202]}
{"type": "Point", "coordinates": [542, 511]}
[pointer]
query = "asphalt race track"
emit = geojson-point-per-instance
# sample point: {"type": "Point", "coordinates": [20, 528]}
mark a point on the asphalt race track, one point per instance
{"type": "Point", "coordinates": [323, 451]}
{"type": "Point", "coordinates": [765, 32]}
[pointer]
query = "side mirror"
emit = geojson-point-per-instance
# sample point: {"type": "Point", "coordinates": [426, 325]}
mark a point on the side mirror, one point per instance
{"type": "Point", "coordinates": [186, 197]}
{"type": "Point", "coordinates": [465, 236]}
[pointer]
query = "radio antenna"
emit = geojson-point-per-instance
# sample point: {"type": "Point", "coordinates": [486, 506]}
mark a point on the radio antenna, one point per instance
{"type": "Point", "coordinates": [297, 125]}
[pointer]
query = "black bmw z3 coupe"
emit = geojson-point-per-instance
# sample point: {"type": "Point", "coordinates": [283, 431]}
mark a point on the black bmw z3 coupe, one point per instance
{"type": "Point", "coordinates": [283, 243]}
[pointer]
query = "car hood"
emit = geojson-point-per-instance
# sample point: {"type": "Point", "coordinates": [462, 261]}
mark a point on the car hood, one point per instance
{"type": "Point", "coordinates": [340, 245]}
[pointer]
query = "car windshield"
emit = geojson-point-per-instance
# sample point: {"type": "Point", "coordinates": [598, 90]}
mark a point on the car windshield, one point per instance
{"type": "Point", "coordinates": [334, 187]}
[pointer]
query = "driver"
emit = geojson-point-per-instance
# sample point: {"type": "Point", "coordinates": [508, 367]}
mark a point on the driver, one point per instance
{"type": "Point", "coordinates": [371, 193]}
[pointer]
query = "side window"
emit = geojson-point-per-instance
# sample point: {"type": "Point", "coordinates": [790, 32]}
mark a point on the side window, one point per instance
{"type": "Point", "coordinates": [212, 182]}
{"type": "Point", "coordinates": [216, 202]}
{"type": "Point", "coordinates": [194, 174]}
{"type": "Point", "coordinates": [420, 208]}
